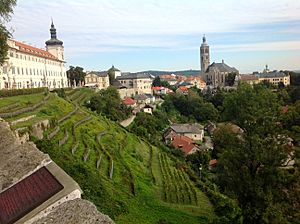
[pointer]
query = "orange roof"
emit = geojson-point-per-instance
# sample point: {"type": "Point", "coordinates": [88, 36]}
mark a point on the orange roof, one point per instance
{"type": "Point", "coordinates": [25, 48]}
{"type": "Point", "coordinates": [213, 162]}
{"type": "Point", "coordinates": [157, 88]}
{"type": "Point", "coordinates": [184, 143]}
{"type": "Point", "coordinates": [166, 77]}
{"type": "Point", "coordinates": [129, 101]}
{"type": "Point", "coordinates": [285, 109]}
{"type": "Point", "coordinates": [183, 88]}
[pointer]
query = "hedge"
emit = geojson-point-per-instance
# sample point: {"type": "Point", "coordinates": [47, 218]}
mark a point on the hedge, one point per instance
{"type": "Point", "coordinates": [17, 92]}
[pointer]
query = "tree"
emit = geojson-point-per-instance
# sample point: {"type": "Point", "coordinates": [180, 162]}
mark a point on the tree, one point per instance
{"type": "Point", "coordinates": [156, 81]}
{"type": "Point", "coordinates": [250, 164]}
{"type": "Point", "coordinates": [6, 9]}
{"type": "Point", "coordinates": [75, 75]}
{"type": "Point", "coordinates": [229, 79]}
{"type": "Point", "coordinates": [108, 103]}
{"type": "Point", "coordinates": [250, 107]}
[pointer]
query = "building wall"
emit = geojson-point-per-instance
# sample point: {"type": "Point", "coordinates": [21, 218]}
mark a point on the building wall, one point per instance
{"type": "Point", "coordinates": [126, 92]}
{"type": "Point", "coordinates": [73, 195]}
{"type": "Point", "coordinates": [140, 86]}
{"type": "Point", "coordinates": [23, 70]}
{"type": "Point", "coordinates": [275, 80]}
{"type": "Point", "coordinates": [101, 82]}
{"type": "Point", "coordinates": [195, 136]}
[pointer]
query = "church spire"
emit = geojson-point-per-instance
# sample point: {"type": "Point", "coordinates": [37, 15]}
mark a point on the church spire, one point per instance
{"type": "Point", "coordinates": [53, 30]}
{"type": "Point", "coordinates": [53, 40]}
{"type": "Point", "coordinates": [204, 38]}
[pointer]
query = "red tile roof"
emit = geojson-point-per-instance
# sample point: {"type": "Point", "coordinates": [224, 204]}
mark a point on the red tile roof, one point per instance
{"type": "Point", "coordinates": [184, 143]}
{"type": "Point", "coordinates": [285, 109]}
{"type": "Point", "coordinates": [25, 48]}
{"type": "Point", "coordinates": [26, 195]}
{"type": "Point", "coordinates": [213, 162]}
{"type": "Point", "coordinates": [183, 89]}
{"type": "Point", "coordinates": [158, 88]}
{"type": "Point", "coordinates": [129, 101]}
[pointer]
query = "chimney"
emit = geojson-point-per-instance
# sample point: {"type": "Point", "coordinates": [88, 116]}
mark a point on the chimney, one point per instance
{"type": "Point", "coordinates": [222, 61]}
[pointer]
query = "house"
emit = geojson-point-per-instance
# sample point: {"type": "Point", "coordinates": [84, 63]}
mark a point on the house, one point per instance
{"type": "Point", "coordinates": [97, 80]}
{"type": "Point", "coordinates": [250, 79]}
{"type": "Point", "coordinates": [127, 101]}
{"type": "Point", "coordinates": [144, 98]}
{"type": "Point", "coordinates": [193, 131]}
{"type": "Point", "coordinates": [274, 77]}
{"type": "Point", "coordinates": [147, 109]}
{"type": "Point", "coordinates": [161, 90]}
{"type": "Point", "coordinates": [196, 81]}
{"type": "Point", "coordinates": [140, 83]}
{"type": "Point", "coordinates": [185, 144]}
{"type": "Point", "coordinates": [182, 90]}
{"type": "Point", "coordinates": [171, 79]}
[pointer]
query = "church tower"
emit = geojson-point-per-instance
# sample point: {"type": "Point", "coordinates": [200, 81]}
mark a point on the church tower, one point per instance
{"type": "Point", "coordinates": [55, 46]}
{"type": "Point", "coordinates": [204, 55]}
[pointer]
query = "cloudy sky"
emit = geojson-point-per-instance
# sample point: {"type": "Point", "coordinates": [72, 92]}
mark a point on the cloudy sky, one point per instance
{"type": "Point", "coordinates": [139, 35]}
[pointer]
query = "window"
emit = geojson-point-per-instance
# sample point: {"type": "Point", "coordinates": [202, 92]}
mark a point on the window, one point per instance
{"type": "Point", "coordinates": [13, 70]}
{"type": "Point", "coordinates": [11, 54]}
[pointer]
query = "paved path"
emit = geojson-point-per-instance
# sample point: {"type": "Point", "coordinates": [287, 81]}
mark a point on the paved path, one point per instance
{"type": "Point", "coordinates": [127, 122]}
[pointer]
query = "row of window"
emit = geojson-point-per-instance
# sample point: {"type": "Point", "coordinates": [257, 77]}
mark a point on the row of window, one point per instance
{"type": "Point", "coordinates": [32, 71]}
{"type": "Point", "coordinates": [32, 58]}
{"type": "Point", "coordinates": [31, 84]}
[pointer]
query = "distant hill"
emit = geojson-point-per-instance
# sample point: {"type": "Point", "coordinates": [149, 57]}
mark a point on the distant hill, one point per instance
{"type": "Point", "coordinates": [184, 72]}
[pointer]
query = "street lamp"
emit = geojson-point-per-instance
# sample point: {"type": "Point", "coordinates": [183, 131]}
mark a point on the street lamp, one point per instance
{"type": "Point", "coordinates": [200, 170]}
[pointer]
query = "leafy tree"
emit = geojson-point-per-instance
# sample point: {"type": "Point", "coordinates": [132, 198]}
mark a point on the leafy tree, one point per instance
{"type": "Point", "coordinates": [250, 164]}
{"type": "Point", "coordinates": [108, 103]}
{"type": "Point", "coordinates": [150, 126]}
{"type": "Point", "coordinates": [6, 9]}
{"type": "Point", "coordinates": [250, 107]}
{"type": "Point", "coordinates": [75, 75]}
{"type": "Point", "coordinates": [156, 81]}
{"type": "Point", "coordinates": [111, 75]}
{"type": "Point", "coordinates": [192, 106]}
{"type": "Point", "coordinates": [229, 79]}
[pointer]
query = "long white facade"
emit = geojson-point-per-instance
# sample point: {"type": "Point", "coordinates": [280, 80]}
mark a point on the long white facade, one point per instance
{"type": "Point", "coordinates": [31, 67]}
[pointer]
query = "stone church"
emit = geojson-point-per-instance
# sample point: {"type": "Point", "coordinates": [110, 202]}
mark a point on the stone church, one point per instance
{"type": "Point", "coordinates": [214, 74]}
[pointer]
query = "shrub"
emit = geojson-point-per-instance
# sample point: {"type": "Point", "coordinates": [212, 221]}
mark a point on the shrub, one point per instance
{"type": "Point", "coordinates": [17, 92]}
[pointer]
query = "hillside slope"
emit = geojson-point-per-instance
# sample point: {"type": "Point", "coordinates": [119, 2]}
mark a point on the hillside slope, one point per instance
{"type": "Point", "coordinates": [124, 176]}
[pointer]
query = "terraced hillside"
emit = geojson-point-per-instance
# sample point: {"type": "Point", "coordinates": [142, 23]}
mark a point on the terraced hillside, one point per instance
{"type": "Point", "coordinates": [126, 177]}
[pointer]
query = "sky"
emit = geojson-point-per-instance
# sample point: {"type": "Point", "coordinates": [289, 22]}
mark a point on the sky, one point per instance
{"type": "Point", "coordinates": [137, 35]}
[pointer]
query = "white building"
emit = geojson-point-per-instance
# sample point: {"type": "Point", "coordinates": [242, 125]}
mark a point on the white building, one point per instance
{"type": "Point", "coordinates": [97, 80]}
{"type": "Point", "coordinates": [139, 82]}
{"type": "Point", "coordinates": [31, 67]}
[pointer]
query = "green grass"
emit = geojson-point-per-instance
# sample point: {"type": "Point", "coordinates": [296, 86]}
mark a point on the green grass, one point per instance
{"type": "Point", "coordinates": [134, 194]}
{"type": "Point", "coordinates": [22, 101]}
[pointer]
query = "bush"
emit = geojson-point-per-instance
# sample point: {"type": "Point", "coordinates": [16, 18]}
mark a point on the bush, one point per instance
{"type": "Point", "coordinates": [17, 92]}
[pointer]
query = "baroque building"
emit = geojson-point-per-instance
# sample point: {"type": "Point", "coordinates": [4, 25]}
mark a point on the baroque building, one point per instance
{"type": "Point", "coordinates": [31, 67]}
